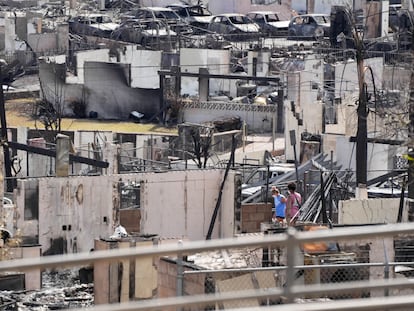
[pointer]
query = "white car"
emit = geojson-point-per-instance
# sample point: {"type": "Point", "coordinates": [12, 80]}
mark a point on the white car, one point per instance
{"type": "Point", "coordinates": [94, 24]}
{"type": "Point", "coordinates": [257, 178]}
{"type": "Point", "coordinates": [309, 26]}
{"type": "Point", "coordinates": [234, 27]}
{"type": "Point", "coordinates": [270, 23]}
{"type": "Point", "coordinates": [195, 15]}
{"type": "Point", "coordinates": [165, 15]}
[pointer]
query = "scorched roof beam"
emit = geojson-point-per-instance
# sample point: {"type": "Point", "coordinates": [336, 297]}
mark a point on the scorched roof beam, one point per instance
{"type": "Point", "coordinates": [217, 76]}
{"type": "Point", "coordinates": [52, 153]}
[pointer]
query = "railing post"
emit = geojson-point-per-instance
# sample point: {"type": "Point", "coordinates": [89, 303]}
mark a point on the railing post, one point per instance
{"type": "Point", "coordinates": [290, 271]}
{"type": "Point", "coordinates": [180, 275]}
{"type": "Point", "coordinates": [386, 269]}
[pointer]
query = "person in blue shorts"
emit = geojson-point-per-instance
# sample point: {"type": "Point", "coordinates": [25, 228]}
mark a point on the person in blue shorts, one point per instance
{"type": "Point", "coordinates": [280, 205]}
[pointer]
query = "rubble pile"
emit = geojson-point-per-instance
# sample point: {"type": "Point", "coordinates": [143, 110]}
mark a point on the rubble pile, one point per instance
{"type": "Point", "coordinates": [60, 290]}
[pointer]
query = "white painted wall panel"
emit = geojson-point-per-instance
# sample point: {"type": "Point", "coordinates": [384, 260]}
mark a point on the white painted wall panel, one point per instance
{"type": "Point", "coordinates": [180, 204]}
{"type": "Point", "coordinates": [82, 203]}
{"type": "Point", "coordinates": [216, 61]}
{"type": "Point", "coordinates": [90, 55]}
{"type": "Point", "coordinates": [145, 65]}
{"type": "Point", "coordinates": [244, 6]}
{"type": "Point", "coordinates": [371, 211]}
{"type": "Point", "coordinates": [176, 204]}
{"type": "Point", "coordinates": [263, 60]}
{"type": "Point", "coordinates": [346, 82]}
{"type": "Point", "coordinates": [84, 141]}
{"type": "Point", "coordinates": [379, 156]}
{"type": "Point", "coordinates": [307, 106]}
{"type": "Point", "coordinates": [10, 34]}
{"type": "Point", "coordinates": [253, 119]}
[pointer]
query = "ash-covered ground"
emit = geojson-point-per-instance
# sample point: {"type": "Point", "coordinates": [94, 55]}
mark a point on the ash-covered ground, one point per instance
{"type": "Point", "coordinates": [61, 289]}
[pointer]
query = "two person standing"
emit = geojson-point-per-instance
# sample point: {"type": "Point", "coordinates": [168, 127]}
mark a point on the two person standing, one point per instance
{"type": "Point", "coordinates": [287, 208]}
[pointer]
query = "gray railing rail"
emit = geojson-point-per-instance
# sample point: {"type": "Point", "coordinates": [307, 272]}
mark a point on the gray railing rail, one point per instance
{"type": "Point", "coordinates": [291, 240]}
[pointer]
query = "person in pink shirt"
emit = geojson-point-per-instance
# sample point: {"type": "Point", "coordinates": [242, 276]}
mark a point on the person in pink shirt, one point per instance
{"type": "Point", "coordinates": [293, 203]}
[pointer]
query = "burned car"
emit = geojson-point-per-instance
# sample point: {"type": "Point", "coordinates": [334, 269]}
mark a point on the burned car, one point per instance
{"type": "Point", "coordinates": [234, 27]}
{"type": "Point", "coordinates": [150, 33]}
{"type": "Point", "coordinates": [94, 24]}
{"type": "Point", "coordinates": [164, 15]}
{"type": "Point", "coordinates": [195, 15]}
{"type": "Point", "coordinates": [269, 22]}
{"type": "Point", "coordinates": [309, 26]}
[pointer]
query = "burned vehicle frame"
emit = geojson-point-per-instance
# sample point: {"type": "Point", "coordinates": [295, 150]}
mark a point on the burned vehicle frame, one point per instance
{"type": "Point", "coordinates": [309, 27]}
{"type": "Point", "coordinates": [234, 27]}
{"type": "Point", "coordinates": [148, 33]}
{"type": "Point", "coordinates": [94, 24]}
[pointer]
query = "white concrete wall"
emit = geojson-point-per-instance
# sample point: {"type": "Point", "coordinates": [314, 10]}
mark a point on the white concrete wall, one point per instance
{"type": "Point", "coordinates": [346, 77]}
{"type": "Point", "coordinates": [346, 82]}
{"type": "Point", "coordinates": [370, 211]}
{"type": "Point", "coordinates": [263, 60]}
{"type": "Point", "coordinates": [376, 64]}
{"type": "Point", "coordinates": [244, 6]}
{"type": "Point", "coordinates": [253, 119]}
{"type": "Point", "coordinates": [83, 139]}
{"type": "Point", "coordinates": [407, 4]}
{"type": "Point", "coordinates": [84, 142]}
{"type": "Point", "coordinates": [347, 118]}
{"type": "Point", "coordinates": [85, 56]}
{"type": "Point", "coordinates": [83, 146]}
{"type": "Point", "coordinates": [27, 227]}
{"type": "Point", "coordinates": [43, 42]}
{"type": "Point", "coordinates": [216, 61]}
{"type": "Point", "coordinates": [140, 146]}
{"type": "Point", "coordinates": [22, 139]}
{"type": "Point", "coordinates": [299, 5]}
{"type": "Point", "coordinates": [311, 84]}
{"type": "Point", "coordinates": [52, 78]}
{"type": "Point", "coordinates": [379, 156]}
{"type": "Point", "coordinates": [145, 65]}
{"type": "Point", "coordinates": [104, 142]}
{"type": "Point", "coordinates": [108, 94]}
{"type": "Point", "coordinates": [396, 77]}
{"type": "Point", "coordinates": [10, 34]}
{"type": "Point", "coordinates": [156, 2]}
{"type": "Point", "coordinates": [181, 204]}
{"type": "Point", "coordinates": [307, 104]}
{"type": "Point", "coordinates": [173, 204]}
{"type": "Point", "coordinates": [79, 202]}
{"type": "Point", "coordinates": [322, 6]}
{"type": "Point", "coordinates": [379, 125]}
{"type": "Point", "coordinates": [385, 7]}
{"type": "Point", "coordinates": [219, 6]}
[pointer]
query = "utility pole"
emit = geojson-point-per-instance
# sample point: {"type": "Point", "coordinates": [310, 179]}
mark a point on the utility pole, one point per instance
{"type": "Point", "coordinates": [4, 139]}
{"type": "Point", "coordinates": [411, 143]}
{"type": "Point", "coordinates": [361, 139]}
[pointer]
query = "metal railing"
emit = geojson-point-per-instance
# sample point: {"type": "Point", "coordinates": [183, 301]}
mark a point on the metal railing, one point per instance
{"type": "Point", "coordinates": [292, 295]}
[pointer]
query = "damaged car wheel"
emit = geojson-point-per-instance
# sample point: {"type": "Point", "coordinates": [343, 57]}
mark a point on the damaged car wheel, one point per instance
{"type": "Point", "coordinates": [318, 33]}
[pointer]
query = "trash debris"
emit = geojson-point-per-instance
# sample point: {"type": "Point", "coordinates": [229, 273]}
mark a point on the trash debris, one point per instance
{"type": "Point", "coordinates": [119, 233]}
{"type": "Point", "coordinates": [135, 115]}
{"type": "Point", "coordinates": [60, 290]}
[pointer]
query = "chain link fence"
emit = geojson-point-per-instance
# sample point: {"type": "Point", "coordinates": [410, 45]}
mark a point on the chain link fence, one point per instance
{"type": "Point", "coordinates": [324, 263]}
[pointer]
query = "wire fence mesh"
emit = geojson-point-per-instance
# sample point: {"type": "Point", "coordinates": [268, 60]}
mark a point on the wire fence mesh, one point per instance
{"type": "Point", "coordinates": [340, 266]}
{"type": "Point", "coordinates": [324, 263]}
